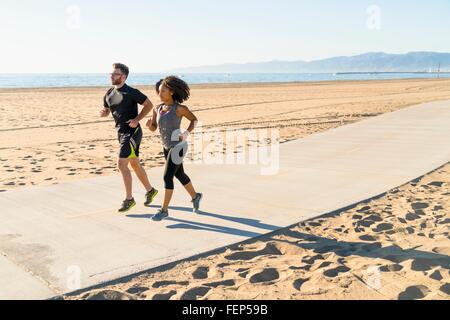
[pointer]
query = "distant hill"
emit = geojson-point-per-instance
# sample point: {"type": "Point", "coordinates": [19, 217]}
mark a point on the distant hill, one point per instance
{"type": "Point", "coordinates": [367, 62]}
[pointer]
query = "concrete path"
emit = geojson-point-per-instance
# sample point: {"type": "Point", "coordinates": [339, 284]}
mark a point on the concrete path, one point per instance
{"type": "Point", "coordinates": [50, 244]}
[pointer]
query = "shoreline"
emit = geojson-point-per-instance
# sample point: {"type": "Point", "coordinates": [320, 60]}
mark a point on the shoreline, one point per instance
{"type": "Point", "coordinates": [236, 84]}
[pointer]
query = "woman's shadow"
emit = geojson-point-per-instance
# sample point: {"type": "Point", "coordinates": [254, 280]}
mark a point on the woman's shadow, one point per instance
{"type": "Point", "coordinates": [186, 224]}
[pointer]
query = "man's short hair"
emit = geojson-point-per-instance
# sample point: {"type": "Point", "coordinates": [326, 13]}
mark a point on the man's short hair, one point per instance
{"type": "Point", "coordinates": [123, 68]}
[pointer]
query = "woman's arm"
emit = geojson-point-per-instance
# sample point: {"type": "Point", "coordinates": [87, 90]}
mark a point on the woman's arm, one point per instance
{"type": "Point", "coordinates": [183, 111]}
{"type": "Point", "coordinates": [151, 123]}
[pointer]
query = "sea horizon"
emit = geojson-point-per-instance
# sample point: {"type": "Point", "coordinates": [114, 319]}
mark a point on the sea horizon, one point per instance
{"type": "Point", "coordinates": [63, 80]}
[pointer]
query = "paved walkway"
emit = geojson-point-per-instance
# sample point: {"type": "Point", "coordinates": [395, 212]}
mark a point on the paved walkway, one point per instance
{"type": "Point", "coordinates": [47, 238]}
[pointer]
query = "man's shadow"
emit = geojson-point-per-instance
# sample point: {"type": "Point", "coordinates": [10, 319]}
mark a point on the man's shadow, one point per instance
{"type": "Point", "coordinates": [185, 224]}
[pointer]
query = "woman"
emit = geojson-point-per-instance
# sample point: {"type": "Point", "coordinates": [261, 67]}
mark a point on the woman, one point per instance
{"type": "Point", "coordinates": [168, 115]}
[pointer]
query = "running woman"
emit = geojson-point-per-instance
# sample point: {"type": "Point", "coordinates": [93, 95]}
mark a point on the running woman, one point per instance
{"type": "Point", "coordinates": [122, 101]}
{"type": "Point", "coordinates": [167, 116]}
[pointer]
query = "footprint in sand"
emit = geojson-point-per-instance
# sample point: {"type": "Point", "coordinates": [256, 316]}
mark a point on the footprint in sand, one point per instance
{"type": "Point", "coordinates": [391, 268]}
{"type": "Point", "coordinates": [436, 183]}
{"type": "Point", "coordinates": [332, 273]}
{"type": "Point", "coordinates": [137, 290]}
{"type": "Point", "coordinates": [412, 216]}
{"type": "Point", "coordinates": [419, 205]}
{"type": "Point", "coordinates": [107, 295]}
{"type": "Point", "coordinates": [314, 224]}
{"type": "Point", "coordinates": [297, 284]}
{"type": "Point", "coordinates": [325, 264]}
{"type": "Point", "coordinates": [410, 230]}
{"type": "Point", "coordinates": [363, 209]}
{"type": "Point", "coordinates": [374, 218]}
{"type": "Point", "coordinates": [160, 284]}
{"type": "Point", "coordinates": [242, 272]}
{"type": "Point", "coordinates": [312, 260]}
{"type": "Point", "coordinates": [306, 267]}
{"type": "Point", "coordinates": [164, 296]}
{"type": "Point", "coordinates": [330, 248]}
{"type": "Point", "coordinates": [224, 283]}
{"type": "Point", "coordinates": [267, 275]}
{"type": "Point", "coordinates": [383, 227]}
{"type": "Point", "coordinates": [445, 288]}
{"type": "Point", "coordinates": [367, 238]}
{"type": "Point", "coordinates": [414, 292]}
{"type": "Point", "coordinates": [423, 264]}
{"type": "Point", "coordinates": [436, 275]}
{"type": "Point", "coordinates": [269, 249]}
{"type": "Point", "coordinates": [200, 273]}
{"type": "Point", "coordinates": [195, 293]}
{"type": "Point", "coordinates": [366, 223]}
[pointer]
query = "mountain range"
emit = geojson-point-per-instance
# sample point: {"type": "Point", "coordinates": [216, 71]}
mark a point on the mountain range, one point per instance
{"type": "Point", "coordinates": [367, 62]}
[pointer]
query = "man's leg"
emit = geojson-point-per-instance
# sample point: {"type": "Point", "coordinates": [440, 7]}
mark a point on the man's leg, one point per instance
{"type": "Point", "coordinates": [122, 164]}
{"type": "Point", "coordinates": [141, 174]}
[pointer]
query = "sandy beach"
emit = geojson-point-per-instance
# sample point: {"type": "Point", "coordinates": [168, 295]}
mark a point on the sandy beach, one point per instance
{"type": "Point", "coordinates": [54, 135]}
{"type": "Point", "coordinates": [394, 247]}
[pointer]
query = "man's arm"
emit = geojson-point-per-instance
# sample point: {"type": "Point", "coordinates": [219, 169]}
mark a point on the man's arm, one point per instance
{"type": "Point", "coordinates": [104, 112]}
{"type": "Point", "coordinates": [144, 112]}
{"type": "Point", "coordinates": [148, 106]}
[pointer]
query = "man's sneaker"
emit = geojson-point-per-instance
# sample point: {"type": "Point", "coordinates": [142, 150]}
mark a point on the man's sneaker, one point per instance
{"type": "Point", "coordinates": [161, 214]}
{"type": "Point", "coordinates": [149, 196]}
{"type": "Point", "coordinates": [196, 202]}
{"type": "Point", "coordinates": [127, 205]}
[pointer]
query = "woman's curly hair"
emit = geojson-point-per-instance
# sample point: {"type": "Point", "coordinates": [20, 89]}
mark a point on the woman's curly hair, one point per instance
{"type": "Point", "coordinates": [180, 89]}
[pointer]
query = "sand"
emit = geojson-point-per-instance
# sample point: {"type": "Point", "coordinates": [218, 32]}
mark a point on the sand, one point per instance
{"type": "Point", "coordinates": [49, 136]}
{"type": "Point", "coordinates": [392, 248]}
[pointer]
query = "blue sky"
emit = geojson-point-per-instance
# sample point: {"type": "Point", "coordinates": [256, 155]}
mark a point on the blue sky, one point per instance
{"type": "Point", "coordinates": [153, 36]}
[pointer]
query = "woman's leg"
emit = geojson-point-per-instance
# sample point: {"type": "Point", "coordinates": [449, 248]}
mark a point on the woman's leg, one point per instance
{"type": "Point", "coordinates": [169, 173]}
{"type": "Point", "coordinates": [183, 177]}
{"type": "Point", "coordinates": [185, 181]}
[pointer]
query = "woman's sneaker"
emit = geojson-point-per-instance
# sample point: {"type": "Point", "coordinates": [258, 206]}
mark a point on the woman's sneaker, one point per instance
{"type": "Point", "coordinates": [127, 205]}
{"type": "Point", "coordinates": [160, 215]}
{"type": "Point", "coordinates": [196, 202]}
{"type": "Point", "coordinates": [149, 196]}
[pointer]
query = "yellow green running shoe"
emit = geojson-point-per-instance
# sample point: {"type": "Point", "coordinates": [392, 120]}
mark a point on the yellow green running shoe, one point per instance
{"type": "Point", "coordinates": [127, 205]}
{"type": "Point", "coordinates": [149, 196]}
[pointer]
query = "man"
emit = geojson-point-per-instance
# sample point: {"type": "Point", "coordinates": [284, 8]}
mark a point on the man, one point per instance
{"type": "Point", "coordinates": [122, 101]}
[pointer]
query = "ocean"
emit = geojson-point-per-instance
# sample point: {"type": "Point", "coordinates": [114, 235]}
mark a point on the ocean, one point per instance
{"type": "Point", "coordinates": [91, 79]}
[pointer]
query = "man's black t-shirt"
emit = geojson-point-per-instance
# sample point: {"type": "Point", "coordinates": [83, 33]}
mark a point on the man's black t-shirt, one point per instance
{"type": "Point", "coordinates": [123, 104]}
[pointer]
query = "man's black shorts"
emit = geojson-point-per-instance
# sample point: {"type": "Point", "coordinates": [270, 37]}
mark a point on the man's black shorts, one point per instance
{"type": "Point", "coordinates": [130, 143]}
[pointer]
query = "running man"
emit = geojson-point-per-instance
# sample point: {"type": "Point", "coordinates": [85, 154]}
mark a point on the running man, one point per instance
{"type": "Point", "coordinates": [122, 101]}
{"type": "Point", "coordinates": [173, 91]}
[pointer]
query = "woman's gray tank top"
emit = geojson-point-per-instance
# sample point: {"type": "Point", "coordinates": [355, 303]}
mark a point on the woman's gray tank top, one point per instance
{"type": "Point", "coordinates": [169, 126]}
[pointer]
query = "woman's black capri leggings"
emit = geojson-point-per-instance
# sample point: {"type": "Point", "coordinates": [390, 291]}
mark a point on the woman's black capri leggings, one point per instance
{"type": "Point", "coordinates": [174, 168]}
